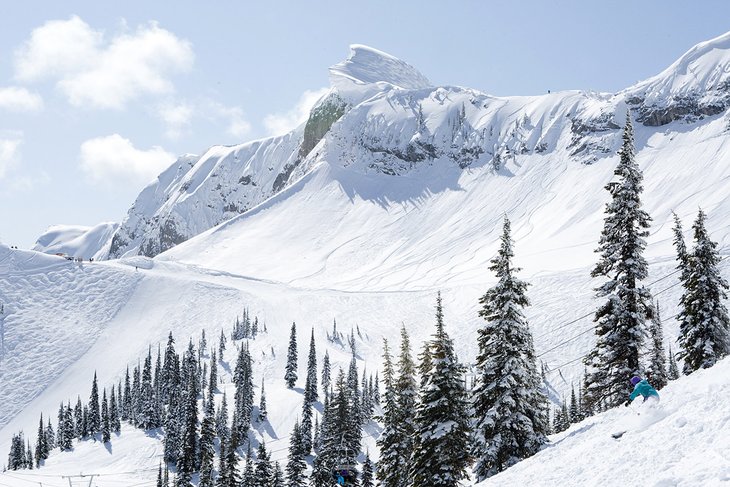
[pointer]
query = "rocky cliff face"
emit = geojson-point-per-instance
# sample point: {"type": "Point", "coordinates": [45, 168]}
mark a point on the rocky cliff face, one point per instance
{"type": "Point", "coordinates": [382, 115]}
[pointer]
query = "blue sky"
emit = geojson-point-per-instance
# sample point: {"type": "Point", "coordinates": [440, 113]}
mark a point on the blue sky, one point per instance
{"type": "Point", "coordinates": [97, 97]}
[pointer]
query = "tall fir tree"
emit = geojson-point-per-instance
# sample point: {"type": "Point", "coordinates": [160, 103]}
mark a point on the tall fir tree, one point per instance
{"type": "Point", "coordinates": [620, 328]}
{"type": "Point", "coordinates": [442, 415]}
{"type": "Point", "coordinates": [116, 424]}
{"type": "Point", "coordinates": [704, 328]}
{"type": "Point", "coordinates": [207, 440]}
{"type": "Point", "coordinates": [277, 475]}
{"type": "Point", "coordinates": [326, 373]}
{"type": "Point", "coordinates": [656, 370]}
{"type": "Point", "coordinates": [105, 423]}
{"type": "Point", "coordinates": [41, 445]}
{"type": "Point", "coordinates": [508, 403]}
{"type": "Point", "coordinates": [263, 413]}
{"type": "Point", "coordinates": [310, 396]}
{"type": "Point", "coordinates": [290, 376]}
{"type": "Point", "coordinates": [367, 472]}
{"type": "Point", "coordinates": [94, 410]}
{"type": "Point", "coordinates": [263, 473]}
{"type": "Point", "coordinates": [673, 370]}
{"type": "Point", "coordinates": [406, 392]}
{"type": "Point", "coordinates": [295, 466]}
{"type": "Point", "coordinates": [243, 399]}
{"type": "Point", "coordinates": [390, 473]}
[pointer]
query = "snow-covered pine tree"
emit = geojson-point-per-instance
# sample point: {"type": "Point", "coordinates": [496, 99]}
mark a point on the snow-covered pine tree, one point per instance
{"type": "Point", "coordinates": [406, 393]}
{"type": "Point", "coordinates": [170, 375]}
{"type": "Point", "coordinates": [94, 411]}
{"type": "Point", "coordinates": [263, 413]}
{"type": "Point", "coordinates": [290, 377]}
{"type": "Point", "coordinates": [508, 404]}
{"type": "Point", "coordinates": [206, 445]}
{"type": "Point", "coordinates": [221, 420]}
{"type": "Point", "coordinates": [148, 412]}
{"type": "Point", "coordinates": [136, 396]}
{"type": "Point", "coordinates": [263, 472]}
{"type": "Point", "coordinates": [248, 473]}
{"type": "Point", "coordinates": [187, 461]}
{"type": "Point", "coordinates": [704, 329]}
{"type": "Point", "coordinates": [41, 445]}
{"type": "Point", "coordinates": [68, 427]}
{"type": "Point", "coordinates": [355, 417]}
{"type": "Point", "coordinates": [326, 373]}
{"type": "Point", "coordinates": [105, 423]}
{"type": "Point", "coordinates": [277, 476]}
{"type": "Point", "coordinates": [673, 370]}
{"type": "Point", "coordinates": [221, 345]}
{"type": "Point", "coordinates": [50, 436]}
{"type": "Point", "coordinates": [243, 400]}
{"type": "Point", "coordinates": [29, 457]}
{"type": "Point", "coordinates": [442, 415]}
{"type": "Point", "coordinates": [213, 377]}
{"type": "Point", "coordinates": [310, 395]}
{"type": "Point", "coordinates": [367, 472]}
{"type": "Point", "coordinates": [295, 465]}
{"type": "Point", "coordinates": [574, 410]}
{"type": "Point", "coordinates": [620, 328]}
{"type": "Point", "coordinates": [78, 419]}
{"type": "Point", "coordinates": [115, 423]}
{"type": "Point", "coordinates": [656, 370]}
{"type": "Point", "coordinates": [172, 427]}
{"type": "Point", "coordinates": [390, 473]}
{"type": "Point", "coordinates": [127, 399]}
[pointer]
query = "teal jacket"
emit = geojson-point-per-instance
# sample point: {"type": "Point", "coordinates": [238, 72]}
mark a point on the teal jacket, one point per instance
{"type": "Point", "coordinates": [644, 389]}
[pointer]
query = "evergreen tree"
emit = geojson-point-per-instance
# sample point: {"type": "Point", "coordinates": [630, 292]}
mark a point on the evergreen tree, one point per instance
{"type": "Point", "coordinates": [263, 473]}
{"type": "Point", "coordinates": [148, 410]}
{"type": "Point", "coordinates": [230, 477]}
{"type": "Point", "coordinates": [207, 439]}
{"type": "Point", "coordinates": [213, 378]}
{"type": "Point", "coordinates": [29, 457]}
{"type": "Point", "coordinates": [134, 416]}
{"type": "Point", "coordinates": [221, 421]}
{"type": "Point", "coordinates": [367, 472]}
{"type": "Point", "coordinates": [60, 430]}
{"type": "Point", "coordinates": [94, 411]}
{"type": "Point", "coordinates": [78, 418]}
{"type": "Point", "coordinates": [574, 412]}
{"type": "Point", "coordinates": [620, 320]}
{"type": "Point", "coordinates": [354, 417]}
{"type": "Point", "coordinates": [673, 371]}
{"type": "Point", "coordinates": [243, 405]}
{"type": "Point", "coordinates": [170, 375]}
{"type": "Point", "coordinates": [406, 393]}
{"type": "Point", "coordinates": [159, 475]}
{"type": "Point", "coordinates": [50, 436]}
{"type": "Point", "coordinates": [291, 359]}
{"type": "Point", "coordinates": [172, 427]}
{"type": "Point", "coordinates": [295, 466]}
{"type": "Point", "coordinates": [248, 474]}
{"type": "Point", "coordinates": [704, 329]}
{"type": "Point", "coordinates": [187, 459]}
{"type": "Point", "coordinates": [221, 345]}
{"type": "Point", "coordinates": [277, 477]}
{"type": "Point", "coordinates": [310, 396]}
{"type": "Point", "coordinates": [68, 428]}
{"type": "Point", "coordinates": [41, 445]}
{"type": "Point", "coordinates": [116, 425]}
{"type": "Point", "coordinates": [105, 423]}
{"type": "Point", "coordinates": [326, 373]}
{"type": "Point", "coordinates": [127, 400]}
{"type": "Point", "coordinates": [263, 413]}
{"type": "Point", "coordinates": [390, 472]}
{"type": "Point", "coordinates": [442, 417]}
{"type": "Point", "coordinates": [508, 404]}
{"type": "Point", "coordinates": [657, 369]}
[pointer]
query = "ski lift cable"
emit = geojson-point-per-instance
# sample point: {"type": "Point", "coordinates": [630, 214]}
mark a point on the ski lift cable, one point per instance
{"type": "Point", "coordinates": [568, 340]}
{"type": "Point", "coordinates": [592, 328]}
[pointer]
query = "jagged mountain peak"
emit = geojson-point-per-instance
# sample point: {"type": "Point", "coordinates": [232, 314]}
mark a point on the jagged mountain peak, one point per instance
{"type": "Point", "coordinates": [368, 66]}
{"type": "Point", "coordinates": [695, 85]}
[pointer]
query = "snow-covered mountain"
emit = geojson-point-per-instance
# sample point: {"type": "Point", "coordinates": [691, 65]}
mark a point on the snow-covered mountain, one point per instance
{"type": "Point", "coordinates": [381, 116]}
{"type": "Point", "coordinates": [392, 190]}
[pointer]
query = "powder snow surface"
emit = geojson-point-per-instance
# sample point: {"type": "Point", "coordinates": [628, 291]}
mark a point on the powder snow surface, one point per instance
{"type": "Point", "coordinates": [683, 442]}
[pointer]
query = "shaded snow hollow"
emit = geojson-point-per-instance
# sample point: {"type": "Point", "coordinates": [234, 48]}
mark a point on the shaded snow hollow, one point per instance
{"type": "Point", "coordinates": [685, 441]}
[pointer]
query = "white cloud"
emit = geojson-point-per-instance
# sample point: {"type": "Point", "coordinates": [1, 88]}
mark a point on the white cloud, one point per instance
{"type": "Point", "coordinates": [92, 71]}
{"type": "Point", "coordinates": [238, 126]}
{"type": "Point", "coordinates": [281, 123]}
{"type": "Point", "coordinates": [9, 152]}
{"type": "Point", "coordinates": [19, 99]}
{"type": "Point", "coordinates": [177, 119]}
{"type": "Point", "coordinates": [113, 158]}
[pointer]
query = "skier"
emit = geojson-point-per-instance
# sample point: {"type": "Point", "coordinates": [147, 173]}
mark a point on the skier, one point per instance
{"type": "Point", "coordinates": [642, 387]}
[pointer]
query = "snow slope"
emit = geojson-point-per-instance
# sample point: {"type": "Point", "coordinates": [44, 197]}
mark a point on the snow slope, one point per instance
{"type": "Point", "coordinates": [684, 442]}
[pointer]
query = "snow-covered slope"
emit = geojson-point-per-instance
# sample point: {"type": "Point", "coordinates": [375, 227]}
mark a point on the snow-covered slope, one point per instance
{"type": "Point", "coordinates": [683, 442]}
{"type": "Point", "coordinates": [77, 241]}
